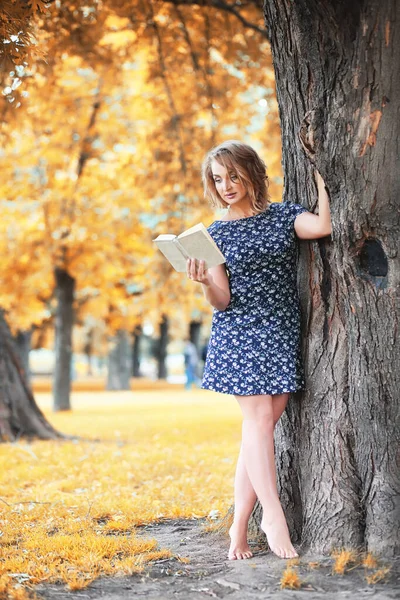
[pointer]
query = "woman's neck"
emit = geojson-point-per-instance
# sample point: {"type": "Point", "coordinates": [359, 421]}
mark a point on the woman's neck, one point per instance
{"type": "Point", "coordinates": [240, 213]}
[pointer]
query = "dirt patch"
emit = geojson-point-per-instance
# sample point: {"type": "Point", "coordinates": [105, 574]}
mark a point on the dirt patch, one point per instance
{"type": "Point", "coordinates": [209, 574]}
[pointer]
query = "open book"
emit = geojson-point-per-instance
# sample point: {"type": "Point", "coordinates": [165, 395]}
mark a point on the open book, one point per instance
{"type": "Point", "coordinates": [195, 242]}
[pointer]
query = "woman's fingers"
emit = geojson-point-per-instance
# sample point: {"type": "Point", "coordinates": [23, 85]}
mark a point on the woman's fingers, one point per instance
{"type": "Point", "coordinates": [195, 271]}
{"type": "Point", "coordinates": [318, 178]}
{"type": "Point", "coordinates": [201, 269]}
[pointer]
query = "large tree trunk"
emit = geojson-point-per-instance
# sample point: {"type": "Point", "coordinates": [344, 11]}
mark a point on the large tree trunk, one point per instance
{"type": "Point", "coordinates": [337, 81]}
{"type": "Point", "coordinates": [65, 287]}
{"type": "Point", "coordinates": [23, 343]}
{"type": "Point", "coordinates": [19, 414]}
{"type": "Point", "coordinates": [119, 362]}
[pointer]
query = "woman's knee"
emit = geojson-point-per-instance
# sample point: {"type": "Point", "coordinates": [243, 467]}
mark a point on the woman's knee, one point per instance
{"type": "Point", "coordinates": [262, 424]}
{"type": "Point", "coordinates": [258, 410]}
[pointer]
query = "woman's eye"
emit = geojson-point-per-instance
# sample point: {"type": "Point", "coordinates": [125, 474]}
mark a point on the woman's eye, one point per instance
{"type": "Point", "coordinates": [234, 177]}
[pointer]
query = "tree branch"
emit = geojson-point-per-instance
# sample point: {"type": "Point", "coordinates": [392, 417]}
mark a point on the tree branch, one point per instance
{"type": "Point", "coordinates": [230, 8]}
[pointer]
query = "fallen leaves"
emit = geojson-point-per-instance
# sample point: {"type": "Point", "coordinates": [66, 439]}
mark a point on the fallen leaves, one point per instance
{"type": "Point", "coordinates": [70, 511]}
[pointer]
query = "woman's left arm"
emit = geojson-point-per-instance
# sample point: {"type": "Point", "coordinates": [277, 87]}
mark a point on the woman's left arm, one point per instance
{"type": "Point", "coordinates": [311, 227]}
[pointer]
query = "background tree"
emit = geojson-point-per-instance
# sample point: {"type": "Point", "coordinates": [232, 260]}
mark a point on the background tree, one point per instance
{"type": "Point", "coordinates": [180, 97]}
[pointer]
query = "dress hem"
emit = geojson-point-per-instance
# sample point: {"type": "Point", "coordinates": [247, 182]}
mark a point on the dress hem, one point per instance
{"type": "Point", "coordinates": [263, 392]}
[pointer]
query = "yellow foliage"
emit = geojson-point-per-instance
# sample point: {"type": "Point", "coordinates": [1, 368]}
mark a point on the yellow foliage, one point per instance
{"type": "Point", "coordinates": [343, 559]}
{"type": "Point", "coordinates": [183, 559]}
{"type": "Point", "coordinates": [378, 576]}
{"type": "Point", "coordinates": [290, 579]}
{"type": "Point", "coordinates": [73, 509]}
{"type": "Point", "coordinates": [106, 152]}
{"type": "Point", "coordinates": [19, 593]}
{"type": "Point", "coordinates": [369, 561]}
{"type": "Point", "coordinates": [293, 562]}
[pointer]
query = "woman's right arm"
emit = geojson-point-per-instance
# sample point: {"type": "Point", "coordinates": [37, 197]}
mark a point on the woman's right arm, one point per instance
{"type": "Point", "coordinates": [214, 281]}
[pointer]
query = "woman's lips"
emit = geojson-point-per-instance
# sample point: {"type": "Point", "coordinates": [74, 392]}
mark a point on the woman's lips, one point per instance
{"type": "Point", "coordinates": [229, 195]}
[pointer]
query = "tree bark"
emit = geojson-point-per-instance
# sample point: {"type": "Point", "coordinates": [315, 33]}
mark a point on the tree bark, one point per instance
{"type": "Point", "coordinates": [136, 351]}
{"type": "Point", "coordinates": [338, 89]}
{"type": "Point", "coordinates": [23, 343]}
{"type": "Point", "coordinates": [19, 414]}
{"type": "Point", "coordinates": [194, 334]}
{"type": "Point", "coordinates": [64, 291]}
{"type": "Point", "coordinates": [119, 362]}
{"type": "Point", "coordinates": [89, 351]}
{"type": "Point", "coordinates": [161, 348]}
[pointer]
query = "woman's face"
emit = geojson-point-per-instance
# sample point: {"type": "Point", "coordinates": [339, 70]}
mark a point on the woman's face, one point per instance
{"type": "Point", "coordinates": [228, 185]}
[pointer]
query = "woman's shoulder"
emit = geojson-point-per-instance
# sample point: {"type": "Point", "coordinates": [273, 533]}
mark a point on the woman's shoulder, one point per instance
{"type": "Point", "coordinates": [288, 209]}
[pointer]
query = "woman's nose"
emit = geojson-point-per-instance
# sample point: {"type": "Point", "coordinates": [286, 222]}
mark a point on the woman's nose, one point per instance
{"type": "Point", "coordinates": [227, 184]}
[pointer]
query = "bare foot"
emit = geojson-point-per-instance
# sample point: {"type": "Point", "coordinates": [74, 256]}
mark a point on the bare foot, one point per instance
{"type": "Point", "coordinates": [275, 528]}
{"type": "Point", "coordinates": [239, 547]}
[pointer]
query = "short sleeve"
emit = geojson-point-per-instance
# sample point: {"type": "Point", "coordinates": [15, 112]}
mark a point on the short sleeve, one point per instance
{"type": "Point", "coordinates": [294, 210]}
{"type": "Point", "coordinates": [213, 231]}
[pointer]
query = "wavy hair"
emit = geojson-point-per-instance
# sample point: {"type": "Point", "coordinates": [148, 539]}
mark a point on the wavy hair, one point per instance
{"type": "Point", "coordinates": [244, 161]}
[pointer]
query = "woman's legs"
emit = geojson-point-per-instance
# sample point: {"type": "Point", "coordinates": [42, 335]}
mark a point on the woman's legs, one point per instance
{"type": "Point", "coordinates": [245, 498]}
{"type": "Point", "coordinates": [260, 415]}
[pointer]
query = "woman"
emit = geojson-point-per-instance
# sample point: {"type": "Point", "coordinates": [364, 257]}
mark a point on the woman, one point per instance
{"type": "Point", "coordinates": [254, 347]}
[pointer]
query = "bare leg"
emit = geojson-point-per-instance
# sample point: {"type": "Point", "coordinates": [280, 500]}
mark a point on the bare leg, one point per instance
{"type": "Point", "coordinates": [259, 461]}
{"type": "Point", "coordinates": [245, 495]}
{"type": "Point", "coordinates": [245, 498]}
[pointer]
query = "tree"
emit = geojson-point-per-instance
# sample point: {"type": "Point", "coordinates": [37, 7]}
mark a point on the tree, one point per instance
{"type": "Point", "coordinates": [184, 58]}
{"type": "Point", "coordinates": [336, 68]}
{"type": "Point", "coordinates": [19, 413]}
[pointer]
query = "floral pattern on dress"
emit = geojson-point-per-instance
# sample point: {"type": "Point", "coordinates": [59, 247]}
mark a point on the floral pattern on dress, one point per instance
{"type": "Point", "coordinates": [254, 345]}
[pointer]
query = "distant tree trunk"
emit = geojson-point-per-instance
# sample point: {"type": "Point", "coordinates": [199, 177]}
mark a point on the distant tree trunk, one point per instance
{"type": "Point", "coordinates": [194, 334]}
{"type": "Point", "coordinates": [89, 350]}
{"type": "Point", "coordinates": [119, 362]}
{"type": "Point", "coordinates": [64, 291]}
{"type": "Point", "coordinates": [336, 67]}
{"type": "Point", "coordinates": [162, 344]}
{"type": "Point", "coordinates": [19, 414]}
{"type": "Point", "coordinates": [23, 343]}
{"type": "Point", "coordinates": [136, 350]}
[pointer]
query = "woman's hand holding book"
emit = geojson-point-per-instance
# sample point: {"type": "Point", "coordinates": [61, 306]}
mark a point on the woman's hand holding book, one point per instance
{"type": "Point", "coordinates": [196, 271]}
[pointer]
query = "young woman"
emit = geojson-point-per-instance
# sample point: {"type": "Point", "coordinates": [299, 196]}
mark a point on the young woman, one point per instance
{"type": "Point", "coordinates": [254, 348]}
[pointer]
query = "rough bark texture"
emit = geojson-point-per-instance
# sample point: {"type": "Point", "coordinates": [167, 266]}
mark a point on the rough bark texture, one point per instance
{"type": "Point", "coordinates": [119, 362]}
{"type": "Point", "coordinates": [23, 343]}
{"type": "Point", "coordinates": [19, 414]}
{"type": "Point", "coordinates": [338, 89]}
{"type": "Point", "coordinates": [64, 290]}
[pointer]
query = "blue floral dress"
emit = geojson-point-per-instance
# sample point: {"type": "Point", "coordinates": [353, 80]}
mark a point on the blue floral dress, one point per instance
{"type": "Point", "coordinates": [254, 346]}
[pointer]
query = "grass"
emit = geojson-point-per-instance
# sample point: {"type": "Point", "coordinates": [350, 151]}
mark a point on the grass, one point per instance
{"type": "Point", "coordinates": [69, 510]}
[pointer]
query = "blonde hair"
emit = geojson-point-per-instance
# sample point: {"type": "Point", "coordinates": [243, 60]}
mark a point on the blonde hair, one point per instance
{"type": "Point", "coordinates": [246, 164]}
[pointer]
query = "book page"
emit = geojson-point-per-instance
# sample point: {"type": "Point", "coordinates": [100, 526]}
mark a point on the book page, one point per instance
{"type": "Point", "coordinates": [197, 227]}
{"type": "Point", "coordinates": [199, 244]}
{"type": "Point", "coordinates": [172, 253]}
{"type": "Point", "coordinates": [165, 237]}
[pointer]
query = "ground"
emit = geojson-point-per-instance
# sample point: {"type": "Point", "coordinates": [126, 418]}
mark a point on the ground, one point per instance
{"type": "Point", "coordinates": [209, 574]}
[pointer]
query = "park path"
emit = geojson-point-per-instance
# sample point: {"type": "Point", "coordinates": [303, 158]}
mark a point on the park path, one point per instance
{"type": "Point", "coordinates": [210, 575]}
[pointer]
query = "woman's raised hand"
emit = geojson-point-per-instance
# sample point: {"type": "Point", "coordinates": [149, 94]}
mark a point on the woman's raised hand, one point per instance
{"type": "Point", "coordinates": [196, 271]}
{"type": "Point", "coordinates": [318, 179]}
